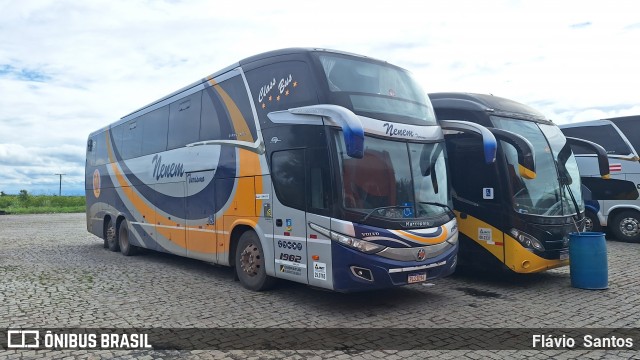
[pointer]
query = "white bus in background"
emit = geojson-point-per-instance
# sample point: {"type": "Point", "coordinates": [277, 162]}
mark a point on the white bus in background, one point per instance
{"type": "Point", "coordinates": [618, 201]}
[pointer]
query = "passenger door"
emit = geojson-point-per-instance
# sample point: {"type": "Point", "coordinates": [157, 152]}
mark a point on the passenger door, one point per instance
{"type": "Point", "coordinates": [478, 198]}
{"type": "Point", "coordinates": [288, 177]}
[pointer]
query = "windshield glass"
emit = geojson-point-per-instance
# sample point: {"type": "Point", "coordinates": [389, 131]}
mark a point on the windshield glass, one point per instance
{"type": "Point", "coordinates": [567, 166]}
{"type": "Point", "coordinates": [394, 179]}
{"type": "Point", "coordinates": [376, 90]}
{"type": "Point", "coordinates": [542, 195]}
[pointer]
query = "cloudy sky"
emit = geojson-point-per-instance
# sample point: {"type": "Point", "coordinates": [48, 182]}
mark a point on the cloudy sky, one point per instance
{"type": "Point", "coordinates": [70, 67]}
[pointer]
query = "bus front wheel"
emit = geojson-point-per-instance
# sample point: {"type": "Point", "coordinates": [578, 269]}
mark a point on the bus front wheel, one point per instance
{"type": "Point", "coordinates": [626, 226]}
{"type": "Point", "coordinates": [250, 263]}
{"type": "Point", "coordinates": [591, 222]}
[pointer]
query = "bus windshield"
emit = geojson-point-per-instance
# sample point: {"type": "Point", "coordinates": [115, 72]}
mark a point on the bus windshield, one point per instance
{"type": "Point", "coordinates": [394, 179]}
{"type": "Point", "coordinates": [550, 192]}
{"type": "Point", "coordinates": [376, 90]}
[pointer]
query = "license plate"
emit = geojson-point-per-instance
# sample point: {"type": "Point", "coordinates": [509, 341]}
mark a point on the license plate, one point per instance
{"type": "Point", "coordinates": [564, 256]}
{"type": "Point", "coordinates": [415, 278]}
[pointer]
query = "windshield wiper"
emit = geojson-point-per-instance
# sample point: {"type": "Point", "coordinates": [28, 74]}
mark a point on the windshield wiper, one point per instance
{"type": "Point", "coordinates": [385, 207]}
{"type": "Point", "coordinates": [436, 204]}
{"type": "Point", "coordinates": [564, 177]}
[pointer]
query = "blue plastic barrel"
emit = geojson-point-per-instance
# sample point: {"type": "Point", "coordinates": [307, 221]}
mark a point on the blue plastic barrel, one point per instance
{"type": "Point", "coordinates": [588, 260]}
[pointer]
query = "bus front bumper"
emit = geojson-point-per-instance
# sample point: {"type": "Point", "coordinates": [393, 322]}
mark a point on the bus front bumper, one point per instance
{"type": "Point", "coordinates": [357, 271]}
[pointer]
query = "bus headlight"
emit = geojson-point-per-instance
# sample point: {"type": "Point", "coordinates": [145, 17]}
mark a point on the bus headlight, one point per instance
{"type": "Point", "coordinates": [527, 240]}
{"type": "Point", "coordinates": [358, 244]}
{"type": "Point", "coordinates": [453, 239]}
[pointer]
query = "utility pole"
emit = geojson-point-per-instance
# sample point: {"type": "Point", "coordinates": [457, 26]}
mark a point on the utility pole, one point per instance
{"type": "Point", "coordinates": [60, 188]}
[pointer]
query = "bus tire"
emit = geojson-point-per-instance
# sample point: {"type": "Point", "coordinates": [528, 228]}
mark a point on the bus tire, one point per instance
{"type": "Point", "coordinates": [591, 222]}
{"type": "Point", "coordinates": [626, 226]}
{"type": "Point", "coordinates": [250, 263]}
{"type": "Point", "coordinates": [123, 240]}
{"type": "Point", "coordinates": [111, 238]}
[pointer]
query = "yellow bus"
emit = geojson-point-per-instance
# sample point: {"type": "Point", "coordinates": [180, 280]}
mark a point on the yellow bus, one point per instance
{"type": "Point", "coordinates": [518, 211]}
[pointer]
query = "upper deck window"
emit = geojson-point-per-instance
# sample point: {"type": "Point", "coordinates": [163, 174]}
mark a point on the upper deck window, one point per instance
{"type": "Point", "coordinates": [377, 90]}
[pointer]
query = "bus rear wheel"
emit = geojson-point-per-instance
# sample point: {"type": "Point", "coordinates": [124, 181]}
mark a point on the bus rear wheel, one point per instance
{"type": "Point", "coordinates": [626, 226]}
{"type": "Point", "coordinates": [110, 238]}
{"type": "Point", "coordinates": [250, 263]}
{"type": "Point", "coordinates": [123, 240]}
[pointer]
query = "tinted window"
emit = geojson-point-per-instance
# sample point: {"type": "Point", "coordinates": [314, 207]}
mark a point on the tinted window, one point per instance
{"type": "Point", "coordinates": [131, 144]}
{"type": "Point", "coordinates": [281, 86]}
{"type": "Point", "coordinates": [466, 157]}
{"type": "Point", "coordinates": [376, 89]}
{"type": "Point", "coordinates": [604, 135]}
{"type": "Point", "coordinates": [630, 127]}
{"type": "Point", "coordinates": [319, 184]}
{"type": "Point", "coordinates": [234, 96]}
{"type": "Point", "coordinates": [154, 130]}
{"type": "Point", "coordinates": [287, 174]}
{"type": "Point", "coordinates": [210, 120]}
{"type": "Point", "coordinates": [91, 154]}
{"type": "Point", "coordinates": [184, 121]}
{"type": "Point", "coordinates": [611, 189]}
{"type": "Point", "coordinates": [463, 115]}
{"type": "Point", "coordinates": [100, 149]}
{"type": "Point", "coordinates": [116, 134]}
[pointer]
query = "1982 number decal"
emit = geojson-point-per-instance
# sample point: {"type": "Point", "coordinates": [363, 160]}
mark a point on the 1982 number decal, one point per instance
{"type": "Point", "coordinates": [293, 258]}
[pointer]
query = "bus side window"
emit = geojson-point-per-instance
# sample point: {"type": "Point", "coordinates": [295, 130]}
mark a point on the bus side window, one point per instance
{"type": "Point", "coordinates": [131, 136]}
{"type": "Point", "coordinates": [154, 130]}
{"type": "Point", "coordinates": [630, 129]}
{"type": "Point", "coordinates": [100, 149]}
{"type": "Point", "coordinates": [281, 86]}
{"type": "Point", "coordinates": [91, 153]}
{"type": "Point", "coordinates": [604, 135]}
{"type": "Point", "coordinates": [212, 112]}
{"type": "Point", "coordinates": [184, 120]}
{"type": "Point", "coordinates": [288, 177]}
{"type": "Point", "coordinates": [319, 181]}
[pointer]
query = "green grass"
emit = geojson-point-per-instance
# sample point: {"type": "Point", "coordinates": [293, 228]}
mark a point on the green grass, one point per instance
{"type": "Point", "coordinates": [41, 204]}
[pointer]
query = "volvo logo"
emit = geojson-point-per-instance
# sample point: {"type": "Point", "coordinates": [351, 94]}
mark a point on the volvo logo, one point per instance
{"type": "Point", "coordinates": [421, 255]}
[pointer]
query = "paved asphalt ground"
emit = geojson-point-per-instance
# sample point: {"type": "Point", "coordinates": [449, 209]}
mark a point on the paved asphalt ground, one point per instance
{"type": "Point", "coordinates": [53, 274]}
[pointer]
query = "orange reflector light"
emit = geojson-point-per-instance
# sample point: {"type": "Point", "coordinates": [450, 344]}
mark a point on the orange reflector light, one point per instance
{"type": "Point", "coordinates": [315, 257]}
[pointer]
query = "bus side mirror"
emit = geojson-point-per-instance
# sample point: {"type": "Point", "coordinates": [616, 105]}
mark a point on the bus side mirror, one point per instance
{"type": "Point", "coordinates": [489, 142]}
{"type": "Point", "coordinates": [90, 145]}
{"type": "Point", "coordinates": [352, 128]}
{"type": "Point", "coordinates": [601, 153]}
{"type": "Point", "coordinates": [526, 159]}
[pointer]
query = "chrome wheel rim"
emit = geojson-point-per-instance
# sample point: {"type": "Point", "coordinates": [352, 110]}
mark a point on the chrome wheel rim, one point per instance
{"type": "Point", "coordinates": [588, 224]}
{"type": "Point", "coordinates": [111, 234]}
{"type": "Point", "coordinates": [251, 260]}
{"type": "Point", "coordinates": [630, 227]}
